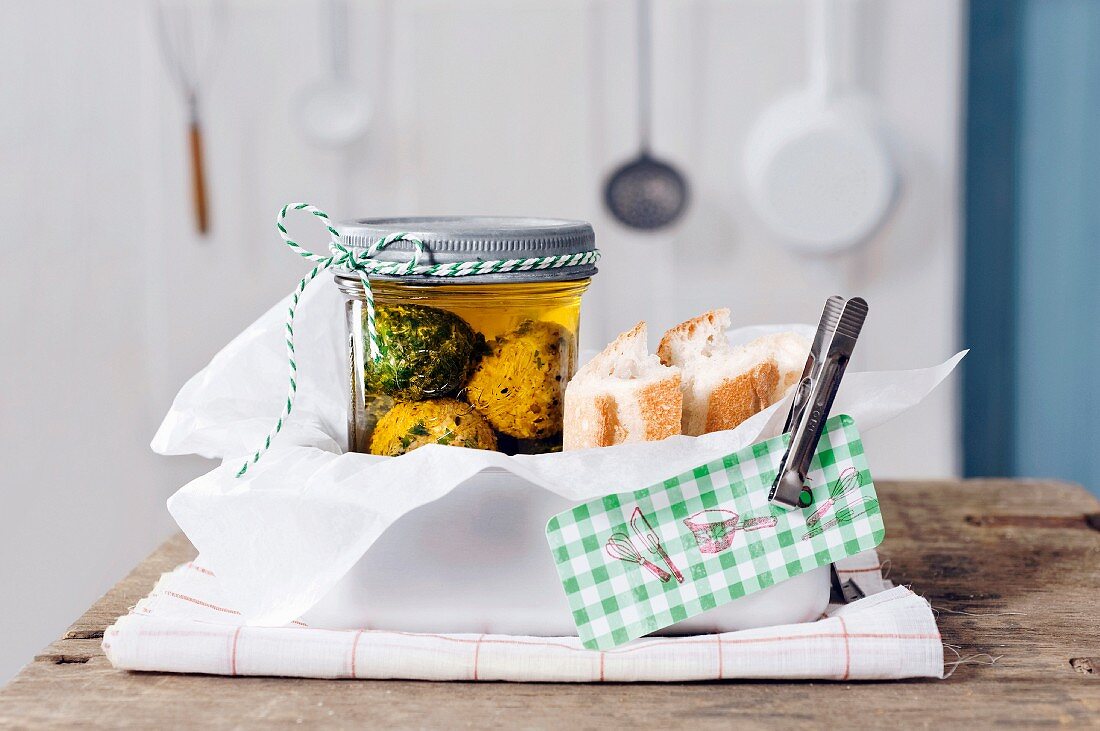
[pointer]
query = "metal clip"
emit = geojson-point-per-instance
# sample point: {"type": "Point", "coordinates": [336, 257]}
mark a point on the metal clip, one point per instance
{"type": "Point", "coordinates": [843, 592]}
{"type": "Point", "coordinates": [841, 322]}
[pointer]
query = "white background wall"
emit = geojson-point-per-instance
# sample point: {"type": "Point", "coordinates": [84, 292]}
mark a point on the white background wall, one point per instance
{"type": "Point", "coordinates": [109, 301]}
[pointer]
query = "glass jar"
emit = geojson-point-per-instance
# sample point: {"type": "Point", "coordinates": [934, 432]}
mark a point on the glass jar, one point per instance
{"type": "Point", "coordinates": [474, 361]}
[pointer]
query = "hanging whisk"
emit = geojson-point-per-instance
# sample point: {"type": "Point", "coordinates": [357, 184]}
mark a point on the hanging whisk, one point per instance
{"type": "Point", "coordinates": [188, 32]}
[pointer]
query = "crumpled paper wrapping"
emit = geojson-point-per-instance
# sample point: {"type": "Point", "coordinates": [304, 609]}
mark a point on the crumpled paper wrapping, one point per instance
{"type": "Point", "coordinates": [283, 535]}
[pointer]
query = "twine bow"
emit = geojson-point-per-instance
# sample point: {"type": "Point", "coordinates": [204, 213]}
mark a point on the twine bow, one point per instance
{"type": "Point", "coordinates": [362, 263]}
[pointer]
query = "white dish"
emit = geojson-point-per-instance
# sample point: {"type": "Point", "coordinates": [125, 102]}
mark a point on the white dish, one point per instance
{"type": "Point", "coordinates": [477, 561]}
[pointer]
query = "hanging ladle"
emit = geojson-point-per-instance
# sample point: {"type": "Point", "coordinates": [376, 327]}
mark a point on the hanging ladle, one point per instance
{"type": "Point", "coordinates": [333, 112]}
{"type": "Point", "coordinates": [645, 193]}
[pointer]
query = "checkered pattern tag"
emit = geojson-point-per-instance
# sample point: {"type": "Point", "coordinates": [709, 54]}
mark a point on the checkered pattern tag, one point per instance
{"type": "Point", "coordinates": [635, 562]}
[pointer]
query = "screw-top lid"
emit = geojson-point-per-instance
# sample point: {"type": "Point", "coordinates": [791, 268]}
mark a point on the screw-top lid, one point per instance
{"type": "Point", "coordinates": [452, 239]}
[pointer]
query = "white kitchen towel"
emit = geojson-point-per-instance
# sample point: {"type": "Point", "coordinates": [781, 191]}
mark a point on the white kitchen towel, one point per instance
{"type": "Point", "coordinates": [184, 626]}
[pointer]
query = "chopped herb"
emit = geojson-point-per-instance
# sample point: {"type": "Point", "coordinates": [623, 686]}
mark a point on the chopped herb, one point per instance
{"type": "Point", "coordinates": [426, 352]}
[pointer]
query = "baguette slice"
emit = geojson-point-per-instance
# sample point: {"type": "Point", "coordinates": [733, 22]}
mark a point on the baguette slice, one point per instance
{"type": "Point", "coordinates": [790, 351]}
{"type": "Point", "coordinates": [622, 395]}
{"type": "Point", "coordinates": [724, 385]}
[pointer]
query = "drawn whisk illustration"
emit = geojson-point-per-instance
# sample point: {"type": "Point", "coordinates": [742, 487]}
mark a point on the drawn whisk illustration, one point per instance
{"type": "Point", "coordinates": [848, 482]}
{"type": "Point", "coordinates": [649, 539]}
{"type": "Point", "coordinates": [620, 546]}
{"type": "Point", "coordinates": [841, 491]}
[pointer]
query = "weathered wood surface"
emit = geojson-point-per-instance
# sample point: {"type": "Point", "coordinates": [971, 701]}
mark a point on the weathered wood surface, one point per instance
{"type": "Point", "coordinates": [1024, 557]}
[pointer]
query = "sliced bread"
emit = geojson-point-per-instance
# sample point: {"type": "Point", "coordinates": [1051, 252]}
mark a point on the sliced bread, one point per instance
{"type": "Point", "coordinates": [790, 351]}
{"type": "Point", "coordinates": [622, 395]}
{"type": "Point", "coordinates": [724, 385]}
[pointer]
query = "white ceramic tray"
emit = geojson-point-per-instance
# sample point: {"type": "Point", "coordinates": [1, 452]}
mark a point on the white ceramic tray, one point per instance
{"type": "Point", "coordinates": [477, 561]}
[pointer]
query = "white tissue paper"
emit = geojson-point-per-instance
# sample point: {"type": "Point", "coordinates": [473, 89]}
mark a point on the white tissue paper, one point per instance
{"type": "Point", "coordinates": [282, 536]}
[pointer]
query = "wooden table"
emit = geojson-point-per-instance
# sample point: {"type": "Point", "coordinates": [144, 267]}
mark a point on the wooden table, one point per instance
{"type": "Point", "coordinates": [1014, 567]}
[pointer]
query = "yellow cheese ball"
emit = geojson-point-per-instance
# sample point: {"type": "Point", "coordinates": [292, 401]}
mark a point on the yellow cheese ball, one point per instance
{"type": "Point", "coordinates": [518, 386]}
{"type": "Point", "coordinates": [412, 424]}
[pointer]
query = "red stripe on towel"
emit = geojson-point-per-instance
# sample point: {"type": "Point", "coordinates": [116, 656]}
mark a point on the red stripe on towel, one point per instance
{"type": "Point", "coordinates": [477, 654]}
{"type": "Point", "coordinates": [847, 650]}
{"type": "Point", "coordinates": [233, 654]}
{"type": "Point", "coordinates": [354, 648]}
{"type": "Point", "coordinates": [200, 602]}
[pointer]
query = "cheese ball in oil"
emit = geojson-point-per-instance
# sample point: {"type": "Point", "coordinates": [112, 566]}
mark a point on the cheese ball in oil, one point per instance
{"type": "Point", "coordinates": [518, 386]}
{"type": "Point", "coordinates": [447, 421]}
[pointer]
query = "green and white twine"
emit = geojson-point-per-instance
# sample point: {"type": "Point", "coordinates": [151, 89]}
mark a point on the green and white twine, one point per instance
{"type": "Point", "coordinates": [362, 263]}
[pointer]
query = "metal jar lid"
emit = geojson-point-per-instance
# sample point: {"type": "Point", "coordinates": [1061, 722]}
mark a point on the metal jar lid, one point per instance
{"type": "Point", "coordinates": [450, 239]}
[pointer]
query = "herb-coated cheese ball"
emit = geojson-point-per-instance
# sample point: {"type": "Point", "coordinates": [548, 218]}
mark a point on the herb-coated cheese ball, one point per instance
{"type": "Point", "coordinates": [412, 424]}
{"type": "Point", "coordinates": [425, 352]}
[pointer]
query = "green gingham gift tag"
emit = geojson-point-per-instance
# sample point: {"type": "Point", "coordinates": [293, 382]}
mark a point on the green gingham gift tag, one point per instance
{"type": "Point", "coordinates": [635, 562]}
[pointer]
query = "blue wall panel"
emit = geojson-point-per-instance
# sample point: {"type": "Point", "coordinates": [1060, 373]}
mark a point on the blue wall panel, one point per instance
{"type": "Point", "coordinates": [1057, 339]}
{"type": "Point", "coordinates": [989, 322]}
